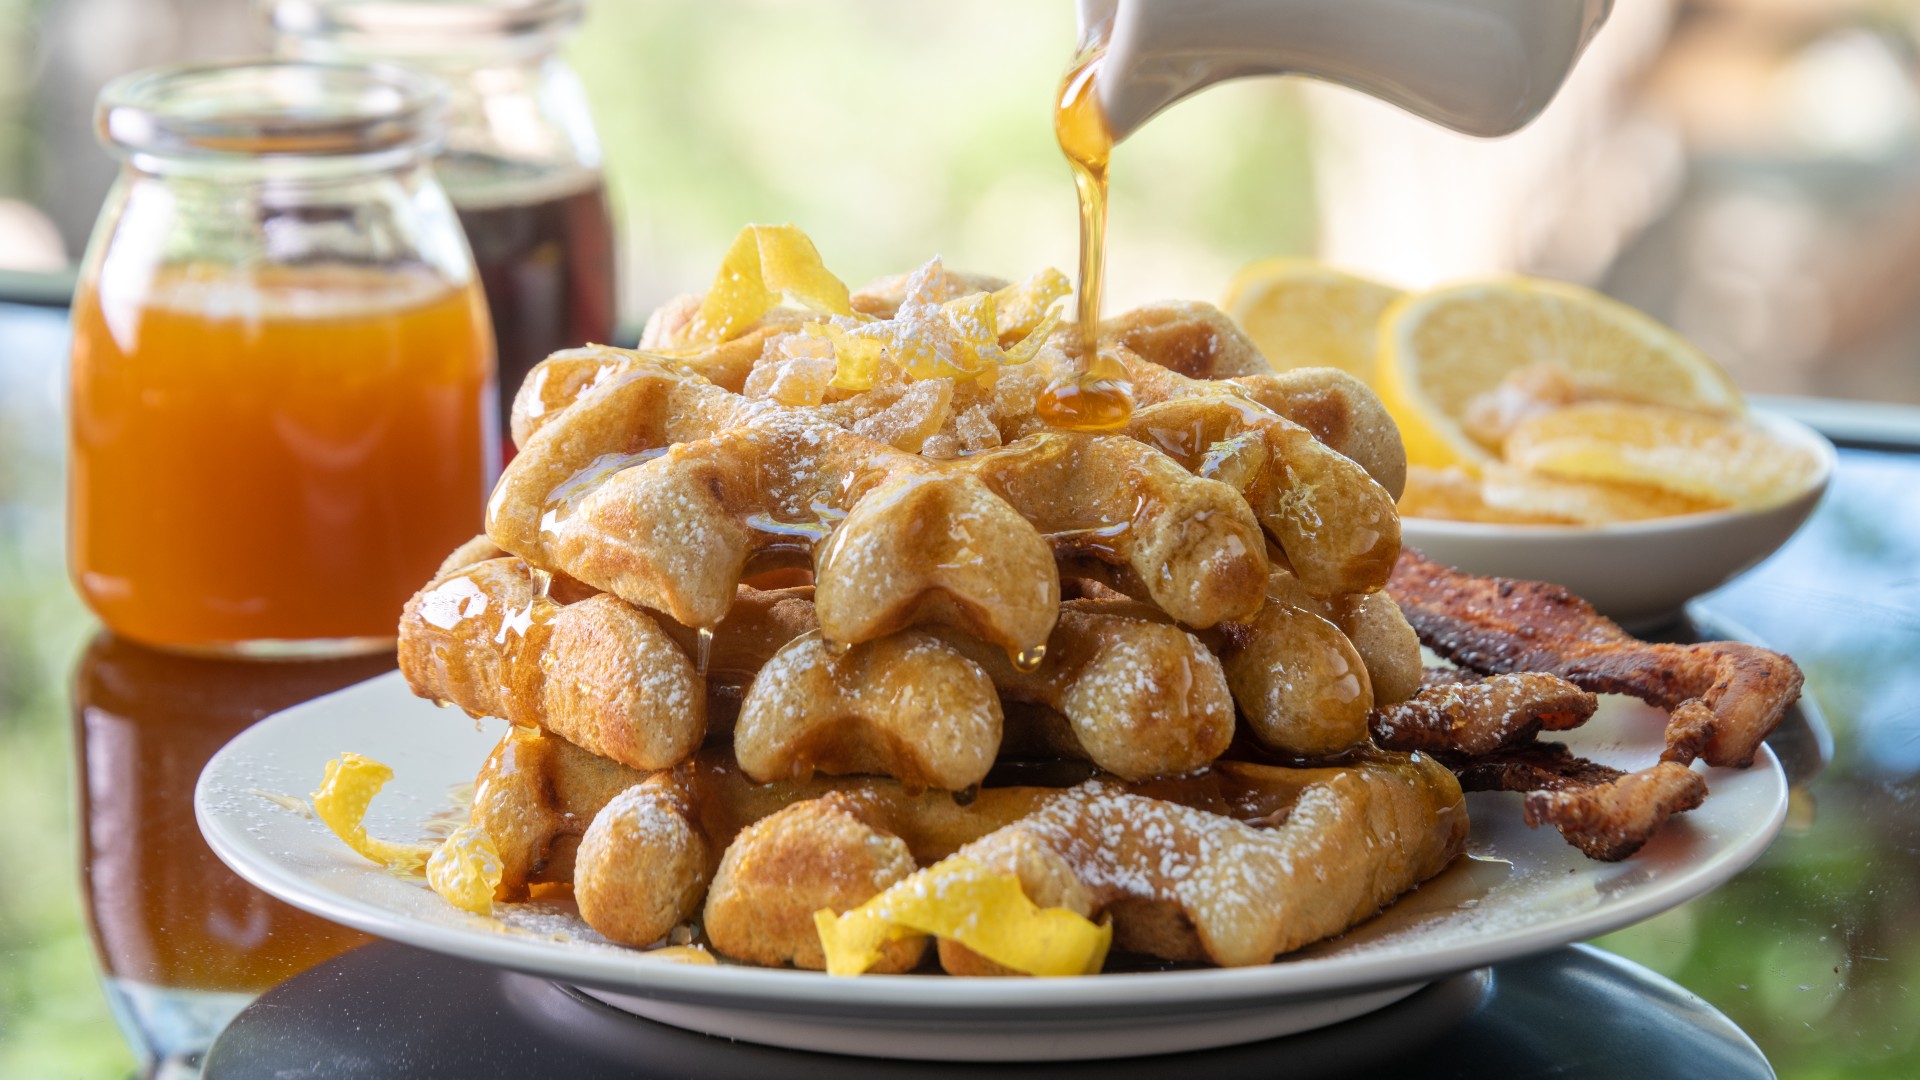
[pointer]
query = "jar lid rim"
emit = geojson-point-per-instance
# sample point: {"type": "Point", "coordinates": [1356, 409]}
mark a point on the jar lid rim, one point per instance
{"type": "Point", "coordinates": [421, 26]}
{"type": "Point", "coordinates": [240, 109]}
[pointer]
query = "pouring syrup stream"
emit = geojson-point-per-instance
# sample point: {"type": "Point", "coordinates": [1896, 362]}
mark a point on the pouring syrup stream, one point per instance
{"type": "Point", "coordinates": [1098, 395]}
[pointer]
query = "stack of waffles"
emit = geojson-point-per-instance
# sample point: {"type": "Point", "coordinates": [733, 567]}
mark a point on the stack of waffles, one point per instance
{"type": "Point", "coordinates": [819, 645]}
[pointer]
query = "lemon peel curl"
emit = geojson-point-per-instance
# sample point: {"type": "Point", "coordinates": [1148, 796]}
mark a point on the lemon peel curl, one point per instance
{"type": "Point", "coordinates": [963, 901]}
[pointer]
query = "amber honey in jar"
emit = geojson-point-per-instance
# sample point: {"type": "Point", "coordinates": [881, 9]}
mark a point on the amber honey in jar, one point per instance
{"type": "Point", "coordinates": [521, 163]}
{"type": "Point", "coordinates": [282, 369]}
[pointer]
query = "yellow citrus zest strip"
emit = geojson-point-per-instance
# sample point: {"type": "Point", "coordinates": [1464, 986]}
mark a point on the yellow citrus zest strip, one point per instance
{"type": "Point", "coordinates": [347, 788]}
{"type": "Point", "coordinates": [764, 264]}
{"type": "Point", "coordinates": [1025, 306]}
{"type": "Point", "coordinates": [1028, 347]}
{"type": "Point", "coordinates": [465, 870]}
{"type": "Point", "coordinates": [856, 357]}
{"type": "Point", "coordinates": [960, 900]}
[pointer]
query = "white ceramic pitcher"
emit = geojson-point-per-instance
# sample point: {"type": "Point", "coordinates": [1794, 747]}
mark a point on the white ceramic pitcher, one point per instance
{"type": "Point", "coordinates": [1484, 67]}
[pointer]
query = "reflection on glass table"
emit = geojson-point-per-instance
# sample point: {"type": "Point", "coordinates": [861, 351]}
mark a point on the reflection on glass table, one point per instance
{"type": "Point", "coordinates": [183, 943]}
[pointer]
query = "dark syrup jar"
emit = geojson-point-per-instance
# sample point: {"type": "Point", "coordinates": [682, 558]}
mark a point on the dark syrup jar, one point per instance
{"type": "Point", "coordinates": [521, 162]}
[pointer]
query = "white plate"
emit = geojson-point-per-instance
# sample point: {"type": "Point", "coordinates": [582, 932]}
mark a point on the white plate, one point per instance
{"type": "Point", "coordinates": [1638, 573]}
{"type": "Point", "coordinates": [1484, 910]}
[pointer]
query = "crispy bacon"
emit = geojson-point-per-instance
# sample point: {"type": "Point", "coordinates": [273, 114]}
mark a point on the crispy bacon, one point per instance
{"type": "Point", "coordinates": [1447, 676]}
{"type": "Point", "coordinates": [1483, 715]}
{"type": "Point", "coordinates": [1500, 625]}
{"type": "Point", "coordinates": [1606, 813]}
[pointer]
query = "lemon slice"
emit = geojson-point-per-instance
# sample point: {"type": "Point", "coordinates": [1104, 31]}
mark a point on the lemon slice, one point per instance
{"type": "Point", "coordinates": [1457, 495]}
{"type": "Point", "coordinates": [1302, 313]}
{"type": "Point", "coordinates": [1504, 495]}
{"type": "Point", "coordinates": [1714, 459]}
{"type": "Point", "coordinates": [1455, 351]}
{"type": "Point", "coordinates": [1513, 491]}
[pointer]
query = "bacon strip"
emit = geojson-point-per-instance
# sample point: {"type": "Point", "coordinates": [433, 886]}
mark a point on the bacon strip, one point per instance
{"type": "Point", "coordinates": [1606, 813]}
{"type": "Point", "coordinates": [1483, 715]}
{"type": "Point", "coordinates": [1447, 676]}
{"type": "Point", "coordinates": [1499, 625]}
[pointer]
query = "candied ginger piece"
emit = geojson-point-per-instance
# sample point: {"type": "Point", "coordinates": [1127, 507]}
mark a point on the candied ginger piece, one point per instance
{"type": "Point", "coordinates": [975, 318]}
{"type": "Point", "coordinates": [961, 900]}
{"type": "Point", "coordinates": [1530, 391]}
{"type": "Point", "coordinates": [764, 264]}
{"type": "Point", "coordinates": [346, 790]}
{"type": "Point", "coordinates": [958, 338]}
{"type": "Point", "coordinates": [856, 355]}
{"type": "Point", "coordinates": [916, 414]}
{"type": "Point", "coordinates": [976, 430]}
{"type": "Point", "coordinates": [794, 369]}
{"type": "Point", "coordinates": [465, 870]}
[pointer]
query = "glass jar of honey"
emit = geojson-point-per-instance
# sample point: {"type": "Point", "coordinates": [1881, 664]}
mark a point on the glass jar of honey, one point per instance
{"type": "Point", "coordinates": [521, 161]}
{"type": "Point", "coordinates": [282, 377]}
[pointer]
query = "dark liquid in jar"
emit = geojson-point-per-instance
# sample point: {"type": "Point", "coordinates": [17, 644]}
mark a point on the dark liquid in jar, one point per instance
{"type": "Point", "coordinates": [544, 246]}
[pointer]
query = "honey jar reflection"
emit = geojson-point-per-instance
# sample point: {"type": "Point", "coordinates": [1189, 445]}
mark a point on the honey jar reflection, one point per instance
{"type": "Point", "coordinates": [183, 942]}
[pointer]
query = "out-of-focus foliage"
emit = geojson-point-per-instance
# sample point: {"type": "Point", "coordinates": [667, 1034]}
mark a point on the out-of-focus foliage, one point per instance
{"type": "Point", "coordinates": [53, 1016]}
{"type": "Point", "coordinates": [15, 83]}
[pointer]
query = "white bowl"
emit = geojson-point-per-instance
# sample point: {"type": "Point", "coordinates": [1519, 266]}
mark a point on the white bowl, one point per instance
{"type": "Point", "coordinates": [1639, 573]}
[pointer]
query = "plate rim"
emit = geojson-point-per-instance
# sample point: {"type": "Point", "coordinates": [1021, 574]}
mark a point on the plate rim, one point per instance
{"type": "Point", "coordinates": [783, 990]}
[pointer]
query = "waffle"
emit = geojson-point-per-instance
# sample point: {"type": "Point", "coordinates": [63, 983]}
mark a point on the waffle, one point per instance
{"type": "Point", "coordinates": [599, 673]}
{"type": "Point", "coordinates": [1120, 684]}
{"type": "Point", "coordinates": [935, 518]}
{"type": "Point", "coordinates": [1023, 691]}
{"type": "Point", "coordinates": [1174, 861]}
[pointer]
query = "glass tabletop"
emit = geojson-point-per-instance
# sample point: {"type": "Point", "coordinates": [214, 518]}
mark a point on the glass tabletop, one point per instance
{"type": "Point", "coordinates": [125, 947]}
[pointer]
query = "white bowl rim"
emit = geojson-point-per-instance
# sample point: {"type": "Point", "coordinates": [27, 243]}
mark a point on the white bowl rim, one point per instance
{"type": "Point", "coordinates": [1776, 423]}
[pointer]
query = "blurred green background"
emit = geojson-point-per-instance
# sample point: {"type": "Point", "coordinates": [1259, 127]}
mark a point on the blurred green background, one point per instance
{"type": "Point", "coordinates": [1747, 169]}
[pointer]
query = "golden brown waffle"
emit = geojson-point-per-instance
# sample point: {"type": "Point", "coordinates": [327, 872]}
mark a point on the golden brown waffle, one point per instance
{"type": "Point", "coordinates": [1174, 868]}
{"type": "Point", "coordinates": [1301, 687]}
{"type": "Point", "coordinates": [1136, 697]}
{"type": "Point", "coordinates": [1198, 342]}
{"type": "Point", "coordinates": [1336, 525]}
{"type": "Point", "coordinates": [579, 494]}
{"type": "Point", "coordinates": [600, 673]}
{"type": "Point", "coordinates": [1184, 883]}
{"type": "Point", "coordinates": [753, 911]}
{"type": "Point", "coordinates": [534, 797]}
{"type": "Point", "coordinates": [1372, 622]}
{"type": "Point", "coordinates": [1119, 685]}
{"type": "Point", "coordinates": [675, 531]}
{"type": "Point", "coordinates": [646, 860]}
{"type": "Point", "coordinates": [1119, 512]}
{"type": "Point", "coordinates": [907, 705]}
